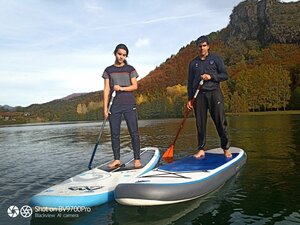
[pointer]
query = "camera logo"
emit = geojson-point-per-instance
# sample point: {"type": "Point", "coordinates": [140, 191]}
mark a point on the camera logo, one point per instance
{"type": "Point", "coordinates": [26, 211]}
{"type": "Point", "coordinates": [13, 211]}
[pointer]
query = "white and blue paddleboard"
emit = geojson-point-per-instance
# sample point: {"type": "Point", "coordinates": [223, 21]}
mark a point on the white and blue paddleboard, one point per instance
{"type": "Point", "coordinates": [181, 180]}
{"type": "Point", "coordinates": [96, 186]}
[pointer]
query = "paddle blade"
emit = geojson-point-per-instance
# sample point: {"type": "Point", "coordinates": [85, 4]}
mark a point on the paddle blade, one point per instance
{"type": "Point", "coordinates": [168, 155]}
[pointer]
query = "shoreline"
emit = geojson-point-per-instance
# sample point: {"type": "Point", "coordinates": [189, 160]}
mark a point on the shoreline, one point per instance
{"type": "Point", "coordinates": [287, 112]}
{"type": "Point", "coordinates": [47, 123]}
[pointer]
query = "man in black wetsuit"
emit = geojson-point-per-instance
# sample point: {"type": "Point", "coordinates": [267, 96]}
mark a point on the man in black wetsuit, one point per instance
{"type": "Point", "coordinates": [211, 69]}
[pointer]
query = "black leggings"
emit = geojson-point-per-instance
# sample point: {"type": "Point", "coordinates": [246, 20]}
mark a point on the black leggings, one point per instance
{"type": "Point", "coordinates": [130, 114]}
{"type": "Point", "coordinates": [214, 102]}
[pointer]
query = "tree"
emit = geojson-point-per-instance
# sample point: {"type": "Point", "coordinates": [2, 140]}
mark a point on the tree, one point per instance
{"type": "Point", "coordinates": [263, 87]}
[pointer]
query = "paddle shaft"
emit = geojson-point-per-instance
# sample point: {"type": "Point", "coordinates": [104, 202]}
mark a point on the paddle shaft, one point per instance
{"type": "Point", "coordinates": [187, 111]}
{"type": "Point", "coordinates": [101, 130]}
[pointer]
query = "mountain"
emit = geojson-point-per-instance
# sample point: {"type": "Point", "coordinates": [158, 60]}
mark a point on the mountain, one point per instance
{"type": "Point", "coordinates": [6, 108]}
{"type": "Point", "coordinates": [71, 96]}
{"type": "Point", "coordinates": [261, 41]}
{"type": "Point", "coordinates": [253, 25]}
{"type": "Point", "coordinates": [68, 108]}
{"type": "Point", "coordinates": [260, 47]}
{"type": "Point", "coordinates": [268, 21]}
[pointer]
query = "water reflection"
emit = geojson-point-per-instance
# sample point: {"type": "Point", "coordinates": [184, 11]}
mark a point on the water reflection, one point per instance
{"type": "Point", "coordinates": [181, 213]}
{"type": "Point", "coordinates": [265, 192]}
{"type": "Point", "coordinates": [272, 171]}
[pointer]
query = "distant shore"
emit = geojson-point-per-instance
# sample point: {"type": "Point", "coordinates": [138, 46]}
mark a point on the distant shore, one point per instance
{"type": "Point", "coordinates": [45, 123]}
{"type": "Point", "coordinates": [287, 112]}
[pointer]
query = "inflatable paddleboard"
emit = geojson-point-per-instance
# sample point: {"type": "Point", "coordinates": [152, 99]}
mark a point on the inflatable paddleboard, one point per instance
{"type": "Point", "coordinates": [96, 186]}
{"type": "Point", "coordinates": [182, 180]}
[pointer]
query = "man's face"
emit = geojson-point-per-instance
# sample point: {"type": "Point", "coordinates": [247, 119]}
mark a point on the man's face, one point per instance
{"type": "Point", "coordinates": [203, 48]}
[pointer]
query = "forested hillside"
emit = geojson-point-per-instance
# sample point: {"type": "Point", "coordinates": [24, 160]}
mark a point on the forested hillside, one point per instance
{"type": "Point", "coordinates": [260, 78]}
{"type": "Point", "coordinates": [260, 48]}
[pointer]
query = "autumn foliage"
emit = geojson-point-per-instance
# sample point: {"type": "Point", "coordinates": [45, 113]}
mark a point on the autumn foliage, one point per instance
{"type": "Point", "coordinates": [260, 48]}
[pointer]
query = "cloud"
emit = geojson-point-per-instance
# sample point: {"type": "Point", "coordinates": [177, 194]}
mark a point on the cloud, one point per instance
{"type": "Point", "coordinates": [162, 19]}
{"type": "Point", "coordinates": [142, 42]}
{"type": "Point", "coordinates": [94, 7]}
{"type": "Point", "coordinates": [149, 21]}
{"type": "Point", "coordinates": [50, 49]}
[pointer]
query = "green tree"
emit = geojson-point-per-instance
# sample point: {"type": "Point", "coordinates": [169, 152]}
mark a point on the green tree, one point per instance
{"type": "Point", "coordinates": [263, 87]}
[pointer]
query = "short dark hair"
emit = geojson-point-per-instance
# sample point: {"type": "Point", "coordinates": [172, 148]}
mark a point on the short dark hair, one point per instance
{"type": "Point", "coordinates": [202, 39]}
{"type": "Point", "coordinates": [121, 46]}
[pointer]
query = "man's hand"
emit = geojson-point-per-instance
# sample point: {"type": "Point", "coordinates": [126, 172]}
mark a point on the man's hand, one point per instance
{"type": "Point", "coordinates": [189, 105]}
{"type": "Point", "coordinates": [205, 76]}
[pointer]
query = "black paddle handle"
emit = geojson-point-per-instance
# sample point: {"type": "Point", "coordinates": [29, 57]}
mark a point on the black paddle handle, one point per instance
{"type": "Point", "coordinates": [101, 131]}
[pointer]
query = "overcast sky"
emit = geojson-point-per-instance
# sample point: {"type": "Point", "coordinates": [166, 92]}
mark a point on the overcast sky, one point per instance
{"type": "Point", "coordinates": [52, 48]}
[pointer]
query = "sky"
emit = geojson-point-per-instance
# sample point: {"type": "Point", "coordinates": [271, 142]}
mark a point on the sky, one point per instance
{"type": "Point", "coordinates": [50, 49]}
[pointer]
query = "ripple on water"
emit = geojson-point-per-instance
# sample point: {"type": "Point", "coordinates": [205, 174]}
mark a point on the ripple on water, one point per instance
{"type": "Point", "coordinates": [266, 191]}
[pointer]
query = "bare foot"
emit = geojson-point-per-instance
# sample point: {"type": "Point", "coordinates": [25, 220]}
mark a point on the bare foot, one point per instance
{"type": "Point", "coordinates": [227, 153]}
{"type": "Point", "coordinates": [137, 164]}
{"type": "Point", "coordinates": [200, 154]}
{"type": "Point", "coordinates": [114, 164]}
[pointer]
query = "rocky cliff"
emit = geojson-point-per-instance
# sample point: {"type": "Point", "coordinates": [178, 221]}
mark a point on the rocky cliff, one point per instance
{"type": "Point", "coordinates": [265, 32]}
{"type": "Point", "coordinates": [268, 21]}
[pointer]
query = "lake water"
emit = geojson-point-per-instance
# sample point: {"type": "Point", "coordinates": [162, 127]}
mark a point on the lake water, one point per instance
{"type": "Point", "coordinates": [266, 191]}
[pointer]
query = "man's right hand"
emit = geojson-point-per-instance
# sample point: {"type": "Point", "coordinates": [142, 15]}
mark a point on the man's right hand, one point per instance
{"type": "Point", "coordinates": [189, 105]}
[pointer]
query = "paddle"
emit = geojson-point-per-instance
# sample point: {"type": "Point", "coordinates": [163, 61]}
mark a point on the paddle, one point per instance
{"type": "Point", "coordinates": [101, 130]}
{"type": "Point", "coordinates": [168, 155]}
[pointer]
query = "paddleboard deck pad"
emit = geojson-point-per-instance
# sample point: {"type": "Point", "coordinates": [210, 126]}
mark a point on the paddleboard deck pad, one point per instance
{"type": "Point", "coordinates": [96, 186]}
{"type": "Point", "coordinates": [181, 180]}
